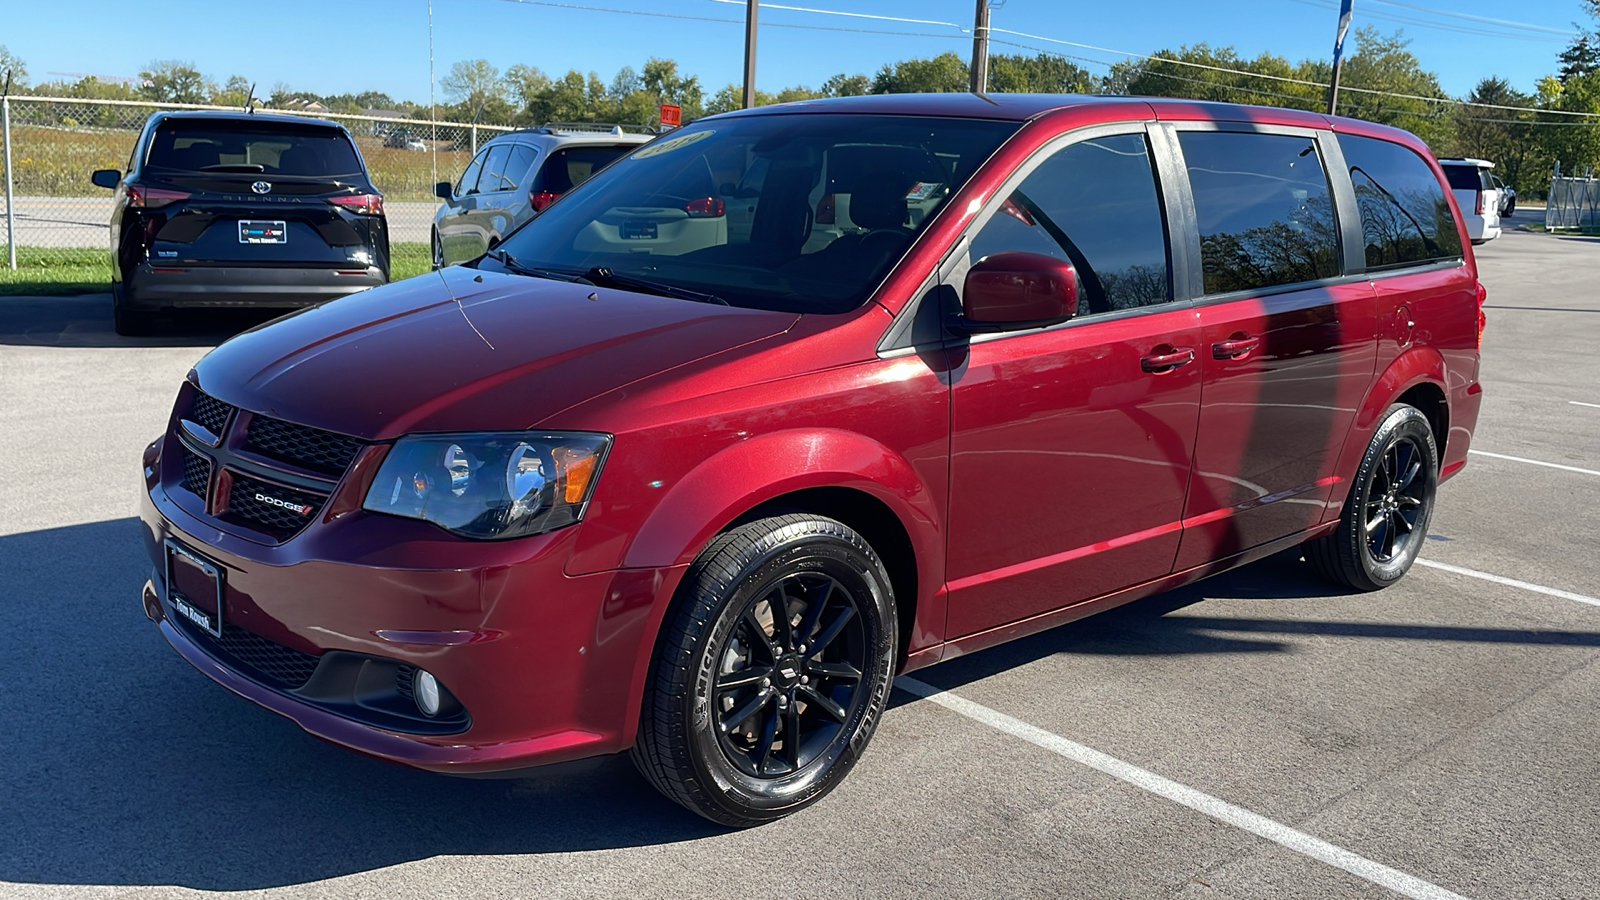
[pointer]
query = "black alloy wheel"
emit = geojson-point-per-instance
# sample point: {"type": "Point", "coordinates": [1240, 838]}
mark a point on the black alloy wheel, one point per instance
{"type": "Point", "coordinates": [772, 671]}
{"type": "Point", "coordinates": [1395, 500]}
{"type": "Point", "coordinates": [788, 675]}
{"type": "Point", "coordinates": [1385, 517]}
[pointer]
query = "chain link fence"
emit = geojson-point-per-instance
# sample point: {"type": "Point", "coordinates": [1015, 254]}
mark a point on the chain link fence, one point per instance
{"type": "Point", "coordinates": [51, 216]}
{"type": "Point", "coordinates": [1574, 204]}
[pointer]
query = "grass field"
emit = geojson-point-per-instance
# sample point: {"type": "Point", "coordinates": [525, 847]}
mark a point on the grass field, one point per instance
{"type": "Point", "coordinates": [55, 272]}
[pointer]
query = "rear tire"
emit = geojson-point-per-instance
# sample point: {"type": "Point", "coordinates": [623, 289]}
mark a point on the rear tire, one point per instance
{"type": "Point", "coordinates": [751, 715]}
{"type": "Point", "coordinates": [130, 322]}
{"type": "Point", "coordinates": [1386, 515]}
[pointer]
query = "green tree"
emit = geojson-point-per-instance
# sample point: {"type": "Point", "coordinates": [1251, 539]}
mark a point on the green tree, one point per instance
{"type": "Point", "coordinates": [1509, 138]}
{"type": "Point", "coordinates": [1218, 74]}
{"type": "Point", "coordinates": [476, 89]}
{"type": "Point", "coordinates": [171, 81]}
{"type": "Point", "coordinates": [1571, 140]}
{"type": "Point", "coordinates": [661, 80]}
{"type": "Point", "coordinates": [945, 73]}
{"type": "Point", "coordinates": [1042, 74]}
{"type": "Point", "coordinates": [13, 65]}
{"type": "Point", "coordinates": [842, 85]}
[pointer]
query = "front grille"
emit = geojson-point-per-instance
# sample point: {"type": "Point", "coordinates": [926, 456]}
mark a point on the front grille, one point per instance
{"type": "Point", "coordinates": [196, 472]}
{"type": "Point", "coordinates": [254, 656]}
{"type": "Point", "coordinates": [274, 519]}
{"type": "Point", "coordinates": [310, 448]}
{"type": "Point", "coordinates": [209, 412]}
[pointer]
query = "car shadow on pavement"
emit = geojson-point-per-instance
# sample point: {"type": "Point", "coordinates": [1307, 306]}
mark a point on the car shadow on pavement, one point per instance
{"type": "Point", "coordinates": [1148, 628]}
{"type": "Point", "coordinates": [121, 765]}
{"type": "Point", "coordinates": [84, 320]}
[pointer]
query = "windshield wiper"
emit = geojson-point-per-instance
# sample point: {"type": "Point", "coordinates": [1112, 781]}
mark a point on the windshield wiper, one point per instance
{"type": "Point", "coordinates": [234, 167]}
{"type": "Point", "coordinates": [605, 277]}
{"type": "Point", "coordinates": [511, 265]}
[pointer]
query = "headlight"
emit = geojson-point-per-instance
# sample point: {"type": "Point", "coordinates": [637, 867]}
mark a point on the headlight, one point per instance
{"type": "Point", "coordinates": [490, 485]}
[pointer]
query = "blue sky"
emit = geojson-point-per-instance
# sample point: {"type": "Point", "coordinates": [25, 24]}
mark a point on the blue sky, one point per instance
{"type": "Point", "coordinates": [383, 44]}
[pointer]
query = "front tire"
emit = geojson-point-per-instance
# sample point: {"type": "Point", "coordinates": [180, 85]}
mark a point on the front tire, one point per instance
{"type": "Point", "coordinates": [772, 671]}
{"type": "Point", "coordinates": [1386, 515]}
{"type": "Point", "coordinates": [438, 251]}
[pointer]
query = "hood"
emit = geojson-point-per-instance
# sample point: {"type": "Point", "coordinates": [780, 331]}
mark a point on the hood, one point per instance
{"type": "Point", "coordinates": [464, 350]}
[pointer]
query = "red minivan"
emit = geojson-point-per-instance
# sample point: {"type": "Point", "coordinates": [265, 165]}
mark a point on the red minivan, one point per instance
{"type": "Point", "coordinates": [795, 399]}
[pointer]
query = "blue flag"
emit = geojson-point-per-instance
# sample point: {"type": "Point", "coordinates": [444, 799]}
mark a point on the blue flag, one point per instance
{"type": "Point", "coordinates": [1344, 26]}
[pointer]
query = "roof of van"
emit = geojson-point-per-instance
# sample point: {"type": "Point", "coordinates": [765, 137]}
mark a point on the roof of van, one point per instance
{"type": "Point", "coordinates": [1465, 161]}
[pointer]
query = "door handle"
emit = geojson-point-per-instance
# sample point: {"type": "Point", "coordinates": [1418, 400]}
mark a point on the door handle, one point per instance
{"type": "Point", "coordinates": [1166, 362]}
{"type": "Point", "coordinates": [1235, 346]}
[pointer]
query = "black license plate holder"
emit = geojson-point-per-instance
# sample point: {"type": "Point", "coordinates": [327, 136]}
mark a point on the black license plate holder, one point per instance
{"type": "Point", "coordinates": [638, 230]}
{"type": "Point", "coordinates": [263, 231]}
{"type": "Point", "coordinates": [209, 576]}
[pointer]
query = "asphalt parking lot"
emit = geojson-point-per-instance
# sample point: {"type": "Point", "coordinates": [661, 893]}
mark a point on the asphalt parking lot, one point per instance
{"type": "Point", "coordinates": [1258, 735]}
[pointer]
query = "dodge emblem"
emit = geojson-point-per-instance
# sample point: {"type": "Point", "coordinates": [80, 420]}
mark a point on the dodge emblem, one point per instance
{"type": "Point", "coordinates": [261, 187]}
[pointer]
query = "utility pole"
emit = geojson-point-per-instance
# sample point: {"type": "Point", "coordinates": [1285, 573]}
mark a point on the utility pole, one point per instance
{"type": "Point", "coordinates": [750, 53]}
{"type": "Point", "coordinates": [1338, 54]}
{"type": "Point", "coordinates": [979, 82]}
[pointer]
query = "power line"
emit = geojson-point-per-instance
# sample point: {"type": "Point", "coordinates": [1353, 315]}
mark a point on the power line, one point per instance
{"type": "Point", "coordinates": [662, 15]}
{"type": "Point", "coordinates": [1313, 101]}
{"type": "Point", "coordinates": [1435, 26]}
{"type": "Point", "coordinates": [1282, 78]}
{"type": "Point", "coordinates": [1567, 33]}
{"type": "Point", "coordinates": [853, 15]}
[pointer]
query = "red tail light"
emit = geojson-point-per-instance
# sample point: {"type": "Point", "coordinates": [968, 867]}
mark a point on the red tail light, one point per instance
{"type": "Point", "coordinates": [705, 208]}
{"type": "Point", "coordinates": [541, 199]}
{"type": "Point", "coordinates": [366, 204]}
{"type": "Point", "coordinates": [1479, 209]}
{"type": "Point", "coordinates": [150, 198]}
{"type": "Point", "coordinates": [825, 210]}
{"type": "Point", "coordinates": [1483, 294]}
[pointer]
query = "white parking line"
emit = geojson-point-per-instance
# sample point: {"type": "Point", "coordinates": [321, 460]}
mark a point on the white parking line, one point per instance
{"type": "Point", "coordinates": [1511, 582]}
{"type": "Point", "coordinates": [1581, 403]}
{"type": "Point", "coordinates": [1221, 810]}
{"type": "Point", "coordinates": [1534, 462]}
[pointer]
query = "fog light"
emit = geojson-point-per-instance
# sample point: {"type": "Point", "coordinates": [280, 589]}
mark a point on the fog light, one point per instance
{"type": "Point", "coordinates": [425, 688]}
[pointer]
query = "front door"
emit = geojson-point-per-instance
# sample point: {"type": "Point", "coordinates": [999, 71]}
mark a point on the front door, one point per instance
{"type": "Point", "coordinates": [1288, 346]}
{"type": "Point", "coordinates": [1071, 446]}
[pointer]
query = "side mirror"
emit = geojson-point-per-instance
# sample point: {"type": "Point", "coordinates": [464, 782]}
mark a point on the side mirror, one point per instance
{"type": "Point", "coordinates": [442, 190]}
{"type": "Point", "coordinates": [1013, 291]}
{"type": "Point", "coordinates": [106, 178]}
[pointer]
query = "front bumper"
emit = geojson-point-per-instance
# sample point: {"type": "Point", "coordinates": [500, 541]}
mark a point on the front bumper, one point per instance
{"type": "Point", "coordinates": [547, 667]}
{"type": "Point", "coordinates": [166, 287]}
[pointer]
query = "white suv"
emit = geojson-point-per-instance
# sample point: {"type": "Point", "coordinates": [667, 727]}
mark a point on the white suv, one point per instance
{"type": "Point", "coordinates": [1477, 196]}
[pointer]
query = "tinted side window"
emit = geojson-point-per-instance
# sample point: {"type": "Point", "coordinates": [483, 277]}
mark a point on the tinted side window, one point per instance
{"type": "Point", "coordinates": [1264, 209]}
{"type": "Point", "coordinates": [1404, 215]}
{"type": "Point", "coordinates": [1093, 204]}
{"type": "Point", "coordinates": [494, 170]}
{"type": "Point", "coordinates": [517, 167]}
{"type": "Point", "coordinates": [469, 179]}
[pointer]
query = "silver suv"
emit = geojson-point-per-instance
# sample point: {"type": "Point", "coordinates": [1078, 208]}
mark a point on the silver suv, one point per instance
{"type": "Point", "coordinates": [515, 176]}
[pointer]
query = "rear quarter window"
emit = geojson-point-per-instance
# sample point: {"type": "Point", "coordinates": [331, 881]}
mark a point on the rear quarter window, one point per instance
{"type": "Point", "coordinates": [1264, 208]}
{"type": "Point", "coordinates": [1465, 178]}
{"type": "Point", "coordinates": [1405, 218]}
{"type": "Point", "coordinates": [272, 149]}
{"type": "Point", "coordinates": [571, 166]}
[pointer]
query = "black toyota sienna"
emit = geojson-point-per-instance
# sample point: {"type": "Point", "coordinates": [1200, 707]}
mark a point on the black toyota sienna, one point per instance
{"type": "Point", "coordinates": [222, 209]}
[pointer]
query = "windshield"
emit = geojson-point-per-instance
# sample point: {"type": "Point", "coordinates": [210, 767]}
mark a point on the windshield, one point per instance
{"type": "Point", "coordinates": [197, 145]}
{"type": "Point", "coordinates": [801, 213]}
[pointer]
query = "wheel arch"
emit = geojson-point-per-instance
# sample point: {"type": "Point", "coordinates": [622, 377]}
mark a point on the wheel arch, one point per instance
{"type": "Point", "coordinates": [871, 518]}
{"type": "Point", "coordinates": [1416, 377]}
